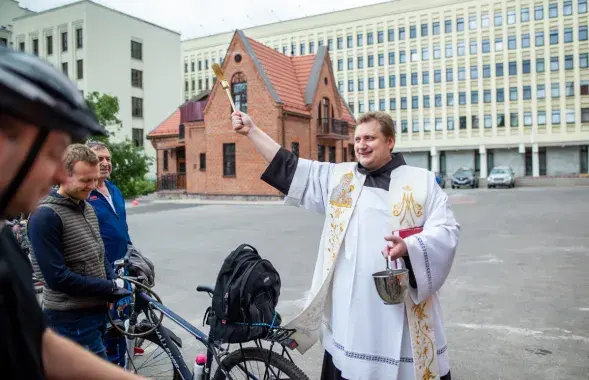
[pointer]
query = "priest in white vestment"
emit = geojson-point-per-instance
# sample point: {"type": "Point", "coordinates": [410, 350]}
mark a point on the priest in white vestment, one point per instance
{"type": "Point", "coordinates": [377, 206]}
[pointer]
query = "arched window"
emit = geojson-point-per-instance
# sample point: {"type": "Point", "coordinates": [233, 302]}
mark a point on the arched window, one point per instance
{"type": "Point", "coordinates": [239, 91]}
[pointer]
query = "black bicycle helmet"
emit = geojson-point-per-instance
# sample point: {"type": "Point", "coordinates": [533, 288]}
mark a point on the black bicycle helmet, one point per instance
{"type": "Point", "coordinates": [34, 91]}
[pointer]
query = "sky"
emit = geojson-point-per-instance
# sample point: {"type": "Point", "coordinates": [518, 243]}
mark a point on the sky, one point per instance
{"type": "Point", "coordinates": [197, 18]}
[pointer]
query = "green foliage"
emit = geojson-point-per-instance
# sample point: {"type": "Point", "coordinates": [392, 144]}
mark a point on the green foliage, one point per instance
{"type": "Point", "coordinates": [130, 164]}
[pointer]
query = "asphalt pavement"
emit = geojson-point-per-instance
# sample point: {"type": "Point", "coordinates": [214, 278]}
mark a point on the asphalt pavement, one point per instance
{"type": "Point", "coordinates": [516, 304]}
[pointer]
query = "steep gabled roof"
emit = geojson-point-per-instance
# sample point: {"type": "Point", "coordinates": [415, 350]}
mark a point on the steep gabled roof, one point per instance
{"type": "Point", "coordinates": [168, 127]}
{"type": "Point", "coordinates": [291, 80]}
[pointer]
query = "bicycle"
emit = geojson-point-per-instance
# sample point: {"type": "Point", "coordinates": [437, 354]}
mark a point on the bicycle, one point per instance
{"type": "Point", "coordinates": [151, 330]}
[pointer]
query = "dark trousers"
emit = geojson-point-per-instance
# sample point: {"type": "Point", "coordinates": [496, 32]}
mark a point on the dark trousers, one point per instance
{"type": "Point", "coordinates": [85, 327]}
{"type": "Point", "coordinates": [330, 372]}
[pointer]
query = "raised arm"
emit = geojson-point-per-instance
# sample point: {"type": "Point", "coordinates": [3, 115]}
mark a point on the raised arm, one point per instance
{"type": "Point", "coordinates": [265, 145]}
{"type": "Point", "coordinates": [304, 182]}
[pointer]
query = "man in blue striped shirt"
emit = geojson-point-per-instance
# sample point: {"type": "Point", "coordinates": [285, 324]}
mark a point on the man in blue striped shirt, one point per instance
{"type": "Point", "coordinates": [109, 205]}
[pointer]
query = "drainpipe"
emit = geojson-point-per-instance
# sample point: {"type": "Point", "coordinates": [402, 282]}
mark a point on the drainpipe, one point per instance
{"type": "Point", "coordinates": [283, 129]}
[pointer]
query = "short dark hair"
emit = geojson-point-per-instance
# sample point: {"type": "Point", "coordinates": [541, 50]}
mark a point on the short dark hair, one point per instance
{"type": "Point", "coordinates": [79, 153]}
{"type": "Point", "coordinates": [387, 125]}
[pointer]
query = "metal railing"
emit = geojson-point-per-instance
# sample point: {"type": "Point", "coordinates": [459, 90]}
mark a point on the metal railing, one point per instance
{"type": "Point", "coordinates": [332, 127]}
{"type": "Point", "coordinates": [175, 181]}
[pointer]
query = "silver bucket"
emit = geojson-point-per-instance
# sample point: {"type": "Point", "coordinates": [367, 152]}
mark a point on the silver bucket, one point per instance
{"type": "Point", "coordinates": [392, 285]}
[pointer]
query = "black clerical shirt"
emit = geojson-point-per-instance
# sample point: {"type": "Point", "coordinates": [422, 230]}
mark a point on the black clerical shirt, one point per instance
{"type": "Point", "coordinates": [280, 173]}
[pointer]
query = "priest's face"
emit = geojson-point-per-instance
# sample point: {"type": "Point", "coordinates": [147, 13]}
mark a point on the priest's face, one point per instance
{"type": "Point", "coordinates": [373, 149]}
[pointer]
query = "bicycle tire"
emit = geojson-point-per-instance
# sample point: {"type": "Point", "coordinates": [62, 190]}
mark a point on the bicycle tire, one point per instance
{"type": "Point", "coordinates": [153, 338]}
{"type": "Point", "coordinates": [263, 355]}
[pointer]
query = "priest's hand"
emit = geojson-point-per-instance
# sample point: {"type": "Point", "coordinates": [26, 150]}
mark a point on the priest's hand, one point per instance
{"type": "Point", "coordinates": [395, 247]}
{"type": "Point", "coordinates": [241, 123]}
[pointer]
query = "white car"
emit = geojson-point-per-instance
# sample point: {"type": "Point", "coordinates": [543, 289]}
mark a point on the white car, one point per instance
{"type": "Point", "coordinates": [501, 176]}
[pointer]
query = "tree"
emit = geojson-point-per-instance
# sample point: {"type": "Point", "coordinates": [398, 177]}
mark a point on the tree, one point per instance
{"type": "Point", "coordinates": [130, 164]}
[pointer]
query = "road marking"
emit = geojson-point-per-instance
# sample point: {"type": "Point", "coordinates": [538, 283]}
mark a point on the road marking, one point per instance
{"type": "Point", "coordinates": [584, 308]}
{"type": "Point", "coordinates": [524, 331]}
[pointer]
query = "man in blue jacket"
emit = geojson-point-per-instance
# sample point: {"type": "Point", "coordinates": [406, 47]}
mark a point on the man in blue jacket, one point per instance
{"type": "Point", "coordinates": [109, 205]}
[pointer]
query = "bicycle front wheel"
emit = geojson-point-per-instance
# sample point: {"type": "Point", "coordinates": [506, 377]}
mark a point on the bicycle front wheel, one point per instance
{"type": "Point", "coordinates": [258, 363]}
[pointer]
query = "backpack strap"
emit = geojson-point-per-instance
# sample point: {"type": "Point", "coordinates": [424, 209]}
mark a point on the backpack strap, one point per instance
{"type": "Point", "coordinates": [245, 245]}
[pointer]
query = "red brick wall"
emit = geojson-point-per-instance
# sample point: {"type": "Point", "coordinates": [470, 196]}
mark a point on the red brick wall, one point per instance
{"type": "Point", "coordinates": [328, 91]}
{"type": "Point", "coordinates": [297, 130]}
{"type": "Point", "coordinates": [165, 144]}
{"type": "Point", "coordinates": [195, 145]}
{"type": "Point", "coordinates": [261, 107]}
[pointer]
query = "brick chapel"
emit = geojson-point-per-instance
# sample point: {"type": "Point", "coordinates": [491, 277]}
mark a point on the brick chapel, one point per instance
{"type": "Point", "coordinates": [294, 99]}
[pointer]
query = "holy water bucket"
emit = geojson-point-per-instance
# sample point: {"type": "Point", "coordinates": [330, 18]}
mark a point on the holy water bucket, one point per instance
{"type": "Point", "coordinates": [392, 285]}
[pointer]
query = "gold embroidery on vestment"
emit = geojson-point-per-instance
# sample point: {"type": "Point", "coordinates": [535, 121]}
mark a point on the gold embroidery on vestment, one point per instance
{"type": "Point", "coordinates": [408, 209]}
{"type": "Point", "coordinates": [342, 193]}
{"type": "Point", "coordinates": [425, 344]}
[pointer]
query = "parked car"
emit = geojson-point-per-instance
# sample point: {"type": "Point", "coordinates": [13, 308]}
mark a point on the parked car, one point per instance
{"type": "Point", "coordinates": [465, 177]}
{"type": "Point", "coordinates": [501, 176]}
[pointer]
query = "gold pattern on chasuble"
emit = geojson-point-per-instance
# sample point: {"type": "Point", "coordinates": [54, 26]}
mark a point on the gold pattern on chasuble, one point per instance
{"type": "Point", "coordinates": [341, 197]}
{"type": "Point", "coordinates": [342, 193]}
{"type": "Point", "coordinates": [426, 348]}
{"type": "Point", "coordinates": [408, 209]}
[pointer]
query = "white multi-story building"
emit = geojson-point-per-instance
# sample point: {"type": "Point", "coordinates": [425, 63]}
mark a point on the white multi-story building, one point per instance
{"type": "Point", "coordinates": [9, 10]}
{"type": "Point", "coordinates": [469, 83]}
{"type": "Point", "coordinates": [112, 53]}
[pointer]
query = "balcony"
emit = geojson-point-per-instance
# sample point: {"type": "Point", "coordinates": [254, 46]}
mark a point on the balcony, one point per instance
{"type": "Point", "coordinates": [332, 129]}
{"type": "Point", "coordinates": [168, 182]}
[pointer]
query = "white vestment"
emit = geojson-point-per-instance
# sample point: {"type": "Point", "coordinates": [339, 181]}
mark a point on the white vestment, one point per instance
{"type": "Point", "coordinates": [366, 338]}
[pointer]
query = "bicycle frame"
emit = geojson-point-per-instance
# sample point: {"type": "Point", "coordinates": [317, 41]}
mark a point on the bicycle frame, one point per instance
{"type": "Point", "coordinates": [172, 350]}
{"type": "Point", "coordinates": [141, 302]}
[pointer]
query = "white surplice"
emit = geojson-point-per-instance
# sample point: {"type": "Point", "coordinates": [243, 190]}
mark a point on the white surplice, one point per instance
{"type": "Point", "coordinates": [366, 338]}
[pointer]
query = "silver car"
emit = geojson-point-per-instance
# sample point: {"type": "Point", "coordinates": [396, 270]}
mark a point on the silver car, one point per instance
{"type": "Point", "coordinates": [501, 176]}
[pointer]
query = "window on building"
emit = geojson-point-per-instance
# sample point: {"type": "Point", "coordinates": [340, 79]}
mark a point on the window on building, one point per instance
{"type": "Point", "coordinates": [321, 153]}
{"type": "Point", "coordinates": [583, 33]}
{"type": "Point", "coordinates": [49, 45]}
{"type": "Point", "coordinates": [513, 119]}
{"type": "Point", "coordinates": [137, 107]}
{"type": "Point", "coordinates": [64, 68]}
{"type": "Point", "coordinates": [79, 38]}
{"type": "Point", "coordinates": [165, 160]}
{"type": "Point", "coordinates": [239, 91]}
{"type": "Point", "coordinates": [568, 34]}
{"type": "Point", "coordinates": [36, 46]}
{"type": "Point", "coordinates": [539, 12]}
{"type": "Point", "coordinates": [21, 46]}
{"type": "Point", "coordinates": [295, 148]}
{"type": "Point", "coordinates": [136, 50]}
{"type": "Point", "coordinates": [203, 161]}
{"type": "Point", "coordinates": [539, 38]}
{"type": "Point", "coordinates": [80, 68]}
{"type": "Point", "coordinates": [229, 160]}
{"type": "Point", "coordinates": [540, 65]}
{"type": "Point", "coordinates": [541, 91]}
{"type": "Point", "coordinates": [137, 136]}
{"type": "Point", "coordinates": [181, 132]}
{"type": "Point", "coordinates": [137, 78]}
{"type": "Point", "coordinates": [553, 10]}
{"type": "Point", "coordinates": [332, 154]}
{"type": "Point", "coordinates": [584, 87]}
{"type": "Point", "coordinates": [525, 15]}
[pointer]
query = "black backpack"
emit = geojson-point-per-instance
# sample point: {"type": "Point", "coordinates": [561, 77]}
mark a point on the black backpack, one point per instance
{"type": "Point", "coordinates": [245, 297]}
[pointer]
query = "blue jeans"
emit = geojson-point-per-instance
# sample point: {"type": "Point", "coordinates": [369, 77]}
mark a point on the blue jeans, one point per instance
{"type": "Point", "coordinates": [84, 326]}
